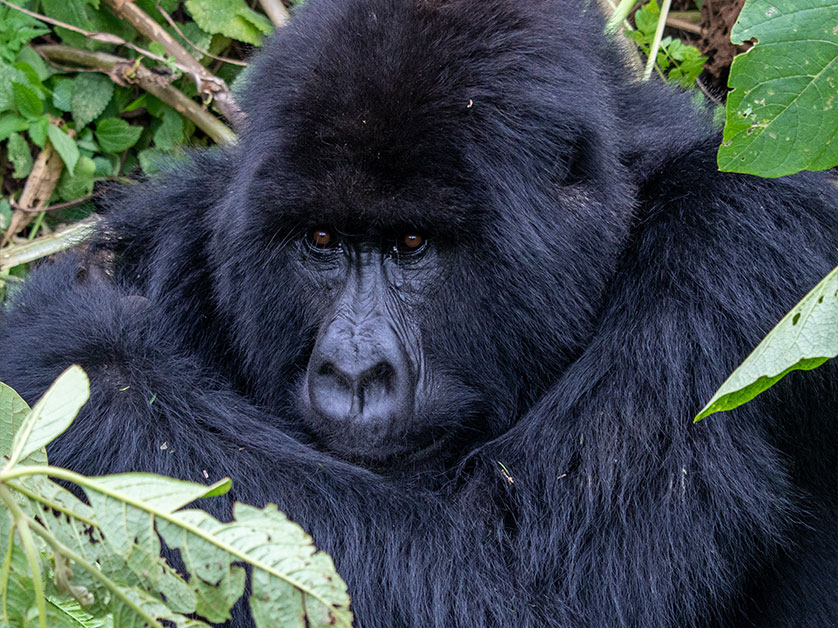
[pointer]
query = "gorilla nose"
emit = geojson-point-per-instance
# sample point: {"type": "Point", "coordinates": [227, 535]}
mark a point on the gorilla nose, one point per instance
{"type": "Point", "coordinates": [358, 382]}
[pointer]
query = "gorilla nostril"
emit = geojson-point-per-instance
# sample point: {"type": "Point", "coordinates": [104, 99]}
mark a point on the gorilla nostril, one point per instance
{"type": "Point", "coordinates": [328, 371]}
{"type": "Point", "coordinates": [382, 374]}
{"type": "Point", "coordinates": [339, 393]}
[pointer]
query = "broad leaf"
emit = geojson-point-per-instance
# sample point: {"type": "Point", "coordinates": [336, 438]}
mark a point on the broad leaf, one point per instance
{"type": "Point", "coordinates": [65, 146]}
{"type": "Point", "coordinates": [292, 583]}
{"type": "Point", "coordinates": [52, 414]}
{"type": "Point", "coordinates": [20, 156]}
{"type": "Point", "coordinates": [11, 123]}
{"type": "Point", "coordinates": [90, 95]}
{"type": "Point", "coordinates": [115, 135]}
{"type": "Point", "coordinates": [805, 338]}
{"type": "Point", "coordinates": [232, 18]}
{"type": "Point", "coordinates": [13, 411]}
{"type": "Point", "coordinates": [781, 114]}
{"type": "Point", "coordinates": [27, 101]}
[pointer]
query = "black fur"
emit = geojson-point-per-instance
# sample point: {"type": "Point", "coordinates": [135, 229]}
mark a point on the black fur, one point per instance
{"type": "Point", "coordinates": [598, 280]}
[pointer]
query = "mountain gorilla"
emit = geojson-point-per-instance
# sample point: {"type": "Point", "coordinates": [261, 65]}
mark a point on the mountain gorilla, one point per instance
{"type": "Point", "coordinates": [451, 303]}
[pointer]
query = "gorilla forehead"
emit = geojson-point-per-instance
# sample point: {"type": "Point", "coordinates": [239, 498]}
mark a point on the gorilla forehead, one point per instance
{"type": "Point", "coordinates": [371, 104]}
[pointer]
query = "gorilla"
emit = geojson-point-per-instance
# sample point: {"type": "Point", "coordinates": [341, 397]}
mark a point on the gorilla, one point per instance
{"type": "Point", "coordinates": [452, 302]}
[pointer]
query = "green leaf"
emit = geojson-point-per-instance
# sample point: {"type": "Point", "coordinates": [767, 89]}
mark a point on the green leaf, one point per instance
{"type": "Point", "coordinates": [150, 7]}
{"type": "Point", "coordinates": [158, 493]}
{"type": "Point", "coordinates": [292, 583]}
{"type": "Point", "coordinates": [20, 155]}
{"type": "Point", "coordinates": [13, 412]}
{"type": "Point", "coordinates": [805, 338]}
{"type": "Point", "coordinates": [170, 132]}
{"type": "Point", "coordinates": [195, 34]}
{"type": "Point", "coordinates": [11, 123]}
{"type": "Point", "coordinates": [52, 414]}
{"type": "Point", "coordinates": [62, 92]}
{"type": "Point", "coordinates": [115, 135]}
{"type": "Point", "coordinates": [646, 18]}
{"type": "Point", "coordinates": [38, 131]}
{"type": "Point", "coordinates": [157, 48]}
{"type": "Point", "coordinates": [31, 58]}
{"type": "Point", "coordinates": [65, 146]}
{"type": "Point", "coordinates": [781, 115]}
{"type": "Point", "coordinates": [229, 17]}
{"type": "Point", "coordinates": [256, 19]}
{"type": "Point", "coordinates": [27, 101]}
{"type": "Point", "coordinates": [5, 221]}
{"type": "Point", "coordinates": [71, 12]}
{"type": "Point", "coordinates": [90, 95]}
{"type": "Point", "coordinates": [79, 183]}
{"type": "Point", "coordinates": [32, 78]}
{"type": "Point", "coordinates": [8, 75]}
{"type": "Point", "coordinates": [151, 160]}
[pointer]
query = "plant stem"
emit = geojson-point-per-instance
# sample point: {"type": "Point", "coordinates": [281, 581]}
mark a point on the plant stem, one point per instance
{"type": "Point", "coordinates": [656, 42]}
{"type": "Point", "coordinates": [123, 71]}
{"type": "Point", "coordinates": [208, 84]}
{"type": "Point", "coordinates": [22, 522]}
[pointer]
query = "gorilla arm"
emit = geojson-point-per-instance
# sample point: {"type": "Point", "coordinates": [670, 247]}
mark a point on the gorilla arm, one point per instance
{"type": "Point", "coordinates": [653, 520]}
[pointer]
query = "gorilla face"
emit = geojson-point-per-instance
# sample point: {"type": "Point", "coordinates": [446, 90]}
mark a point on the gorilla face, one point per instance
{"type": "Point", "coordinates": [368, 383]}
{"type": "Point", "coordinates": [423, 239]}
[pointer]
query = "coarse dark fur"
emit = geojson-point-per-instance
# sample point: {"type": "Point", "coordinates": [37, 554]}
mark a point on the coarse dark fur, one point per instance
{"type": "Point", "coordinates": [595, 280]}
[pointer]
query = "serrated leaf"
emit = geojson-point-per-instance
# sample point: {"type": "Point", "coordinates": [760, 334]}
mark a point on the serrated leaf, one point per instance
{"type": "Point", "coordinates": [65, 146]}
{"type": "Point", "coordinates": [80, 182]}
{"type": "Point", "coordinates": [161, 494]}
{"type": "Point", "coordinates": [38, 131]}
{"type": "Point", "coordinates": [28, 55]}
{"type": "Point", "coordinates": [13, 411]}
{"type": "Point", "coordinates": [71, 12]}
{"type": "Point", "coordinates": [91, 93]}
{"type": "Point", "coordinates": [20, 155]}
{"type": "Point", "coordinates": [115, 135]}
{"type": "Point", "coordinates": [293, 584]}
{"type": "Point", "coordinates": [782, 115]}
{"type": "Point", "coordinates": [170, 132]}
{"type": "Point", "coordinates": [27, 101]}
{"type": "Point", "coordinates": [223, 16]}
{"type": "Point", "coordinates": [805, 338]}
{"type": "Point", "coordinates": [62, 92]}
{"type": "Point", "coordinates": [8, 75]}
{"type": "Point", "coordinates": [52, 414]}
{"type": "Point", "coordinates": [150, 7]}
{"type": "Point", "coordinates": [196, 36]}
{"type": "Point", "coordinates": [256, 19]}
{"type": "Point", "coordinates": [11, 123]}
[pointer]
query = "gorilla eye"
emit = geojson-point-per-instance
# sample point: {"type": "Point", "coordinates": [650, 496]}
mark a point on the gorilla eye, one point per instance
{"type": "Point", "coordinates": [321, 239]}
{"type": "Point", "coordinates": [410, 242]}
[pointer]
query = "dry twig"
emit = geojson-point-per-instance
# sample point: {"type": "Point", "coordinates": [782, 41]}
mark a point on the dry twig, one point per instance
{"type": "Point", "coordinates": [276, 11]}
{"type": "Point", "coordinates": [37, 191]}
{"type": "Point", "coordinates": [209, 85]}
{"type": "Point", "coordinates": [127, 72]}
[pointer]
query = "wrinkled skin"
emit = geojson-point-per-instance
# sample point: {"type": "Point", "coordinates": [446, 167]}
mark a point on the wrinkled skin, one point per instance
{"type": "Point", "coordinates": [452, 303]}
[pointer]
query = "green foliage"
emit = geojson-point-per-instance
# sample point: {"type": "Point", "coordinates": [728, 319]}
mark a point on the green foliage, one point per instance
{"type": "Point", "coordinates": [65, 563]}
{"type": "Point", "coordinates": [27, 101]}
{"type": "Point", "coordinates": [232, 18]}
{"type": "Point", "coordinates": [115, 135]}
{"type": "Point", "coordinates": [680, 62]}
{"type": "Point", "coordinates": [782, 115]}
{"type": "Point", "coordinates": [64, 146]}
{"type": "Point", "coordinates": [103, 125]}
{"type": "Point", "coordinates": [805, 338]}
{"type": "Point", "coordinates": [90, 94]}
{"type": "Point", "coordinates": [18, 30]}
{"type": "Point", "coordinates": [20, 156]}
